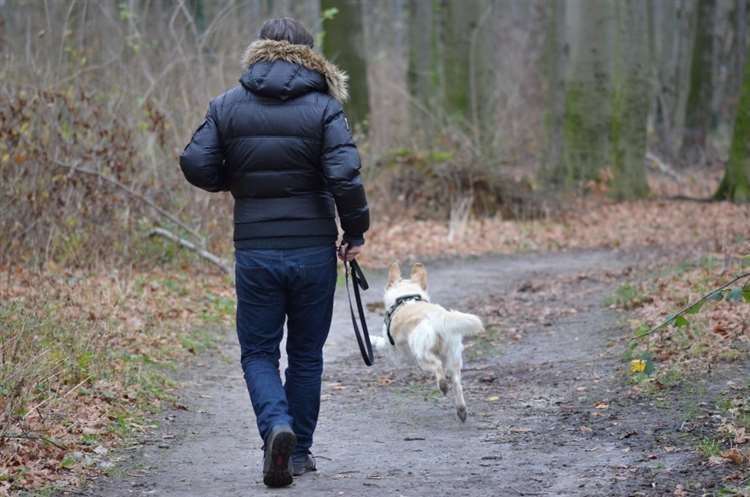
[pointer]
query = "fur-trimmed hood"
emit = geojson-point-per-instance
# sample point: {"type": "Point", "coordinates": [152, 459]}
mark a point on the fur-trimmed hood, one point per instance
{"type": "Point", "coordinates": [300, 55]}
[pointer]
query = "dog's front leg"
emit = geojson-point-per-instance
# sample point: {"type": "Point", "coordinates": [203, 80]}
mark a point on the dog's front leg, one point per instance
{"type": "Point", "coordinates": [380, 343]}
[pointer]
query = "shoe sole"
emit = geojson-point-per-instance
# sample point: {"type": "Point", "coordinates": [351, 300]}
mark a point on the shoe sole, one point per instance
{"type": "Point", "coordinates": [281, 448]}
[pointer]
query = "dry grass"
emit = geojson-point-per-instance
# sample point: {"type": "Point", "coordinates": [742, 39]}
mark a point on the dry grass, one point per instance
{"type": "Point", "coordinates": [85, 355]}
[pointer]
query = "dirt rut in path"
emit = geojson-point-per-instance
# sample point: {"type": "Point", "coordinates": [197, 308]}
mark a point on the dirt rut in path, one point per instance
{"type": "Point", "coordinates": [547, 416]}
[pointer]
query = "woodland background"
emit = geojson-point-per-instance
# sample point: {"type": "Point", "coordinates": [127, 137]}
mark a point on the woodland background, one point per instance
{"type": "Point", "coordinates": [484, 126]}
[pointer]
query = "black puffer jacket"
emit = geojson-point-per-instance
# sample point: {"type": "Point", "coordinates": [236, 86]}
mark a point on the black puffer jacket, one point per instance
{"type": "Point", "coordinates": [281, 144]}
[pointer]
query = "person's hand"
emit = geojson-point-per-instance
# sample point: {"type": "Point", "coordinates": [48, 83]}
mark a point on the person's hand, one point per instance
{"type": "Point", "coordinates": [349, 253]}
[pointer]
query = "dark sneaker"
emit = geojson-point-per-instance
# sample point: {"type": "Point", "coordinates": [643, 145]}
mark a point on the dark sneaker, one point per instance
{"type": "Point", "coordinates": [303, 464]}
{"type": "Point", "coordinates": [277, 467]}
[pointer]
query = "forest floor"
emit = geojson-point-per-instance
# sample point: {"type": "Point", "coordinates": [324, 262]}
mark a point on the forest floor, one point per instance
{"type": "Point", "coordinates": [125, 381]}
{"type": "Point", "coordinates": [552, 408]}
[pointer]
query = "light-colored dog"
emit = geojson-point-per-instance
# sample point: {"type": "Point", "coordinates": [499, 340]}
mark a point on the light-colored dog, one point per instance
{"type": "Point", "coordinates": [426, 332]}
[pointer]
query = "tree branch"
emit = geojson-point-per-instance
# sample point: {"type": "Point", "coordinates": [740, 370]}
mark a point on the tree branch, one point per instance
{"type": "Point", "coordinates": [707, 296]}
{"type": "Point", "coordinates": [31, 436]}
{"type": "Point", "coordinates": [218, 261]}
{"type": "Point", "coordinates": [164, 213]}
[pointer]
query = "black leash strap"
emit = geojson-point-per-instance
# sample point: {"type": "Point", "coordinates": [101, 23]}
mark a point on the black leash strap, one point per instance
{"type": "Point", "coordinates": [359, 281]}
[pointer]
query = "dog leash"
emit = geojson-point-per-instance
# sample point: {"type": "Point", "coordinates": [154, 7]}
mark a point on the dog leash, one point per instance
{"type": "Point", "coordinates": [358, 281]}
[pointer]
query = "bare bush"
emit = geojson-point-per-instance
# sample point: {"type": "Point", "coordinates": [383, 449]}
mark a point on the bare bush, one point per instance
{"type": "Point", "coordinates": [97, 100]}
{"type": "Point", "coordinates": [50, 209]}
{"type": "Point", "coordinates": [451, 182]}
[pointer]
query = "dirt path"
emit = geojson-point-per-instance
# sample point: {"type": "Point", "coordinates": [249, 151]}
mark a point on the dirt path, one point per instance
{"type": "Point", "coordinates": [548, 410]}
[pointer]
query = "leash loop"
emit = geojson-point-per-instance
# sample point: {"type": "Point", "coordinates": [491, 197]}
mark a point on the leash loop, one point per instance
{"type": "Point", "coordinates": [352, 269]}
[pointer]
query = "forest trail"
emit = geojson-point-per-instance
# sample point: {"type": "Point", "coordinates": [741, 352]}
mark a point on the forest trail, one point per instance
{"type": "Point", "coordinates": [549, 412]}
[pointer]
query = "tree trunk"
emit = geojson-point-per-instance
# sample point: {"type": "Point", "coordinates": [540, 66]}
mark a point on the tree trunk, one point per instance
{"type": "Point", "coordinates": [199, 14]}
{"type": "Point", "coordinates": [425, 72]}
{"type": "Point", "coordinates": [343, 44]}
{"type": "Point", "coordinates": [736, 183]}
{"type": "Point", "coordinates": [554, 62]}
{"type": "Point", "coordinates": [482, 85]}
{"type": "Point", "coordinates": [631, 99]}
{"type": "Point", "coordinates": [460, 20]}
{"type": "Point", "coordinates": [673, 26]}
{"type": "Point", "coordinates": [586, 112]}
{"type": "Point", "coordinates": [730, 31]}
{"type": "Point", "coordinates": [512, 112]}
{"type": "Point", "coordinates": [385, 41]}
{"type": "Point", "coordinates": [698, 120]}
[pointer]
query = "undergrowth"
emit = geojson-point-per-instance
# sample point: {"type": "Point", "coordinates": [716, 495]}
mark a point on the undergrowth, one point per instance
{"type": "Point", "coordinates": [685, 326]}
{"type": "Point", "coordinates": [86, 357]}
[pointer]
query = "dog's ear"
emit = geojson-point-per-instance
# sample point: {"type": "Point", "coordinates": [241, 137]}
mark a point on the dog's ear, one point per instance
{"type": "Point", "coordinates": [394, 274]}
{"type": "Point", "coordinates": [419, 275]}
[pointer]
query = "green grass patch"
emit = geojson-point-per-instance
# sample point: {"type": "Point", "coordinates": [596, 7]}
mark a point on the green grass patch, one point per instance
{"type": "Point", "coordinates": [627, 296]}
{"type": "Point", "coordinates": [709, 447]}
{"type": "Point", "coordinates": [484, 344]}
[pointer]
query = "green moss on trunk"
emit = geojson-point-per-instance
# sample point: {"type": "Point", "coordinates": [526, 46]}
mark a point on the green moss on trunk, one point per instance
{"type": "Point", "coordinates": [698, 115]}
{"type": "Point", "coordinates": [460, 19]}
{"type": "Point", "coordinates": [581, 146]}
{"type": "Point", "coordinates": [735, 185]}
{"type": "Point", "coordinates": [342, 44]}
{"type": "Point", "coordinates": [584, 136]}
{"type": "Point", "coordinates": [630, 101]}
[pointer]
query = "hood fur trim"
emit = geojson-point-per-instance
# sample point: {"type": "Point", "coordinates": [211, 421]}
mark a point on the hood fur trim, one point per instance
{"type": "Point", "coordinates": [302, 55]}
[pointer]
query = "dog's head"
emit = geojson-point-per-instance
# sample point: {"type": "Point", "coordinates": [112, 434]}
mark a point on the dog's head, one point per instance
{"type": "Point", "coordinates": [397, 286]}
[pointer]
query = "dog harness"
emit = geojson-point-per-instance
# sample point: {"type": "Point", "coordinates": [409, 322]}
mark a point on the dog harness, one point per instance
{"type": "Point", "coordinates": [392, 310]}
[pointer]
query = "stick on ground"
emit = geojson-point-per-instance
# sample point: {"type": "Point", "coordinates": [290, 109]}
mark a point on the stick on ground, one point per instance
{"type": "Point", "coordinates": [215, 259]}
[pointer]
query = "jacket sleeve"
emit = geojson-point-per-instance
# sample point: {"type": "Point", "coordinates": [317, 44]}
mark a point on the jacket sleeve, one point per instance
{"type": "Point", "coordinates": [340, 163]}
{"type": "Point", "coordinates": [202, 161]}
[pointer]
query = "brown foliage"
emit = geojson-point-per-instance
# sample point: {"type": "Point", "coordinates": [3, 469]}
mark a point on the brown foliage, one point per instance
{"type": "Point", "coordinates": [52, 211]}
{"type": "Point", "coordinates": [430, 185]}
{"type": "Point", "coordinates": [84, 356]}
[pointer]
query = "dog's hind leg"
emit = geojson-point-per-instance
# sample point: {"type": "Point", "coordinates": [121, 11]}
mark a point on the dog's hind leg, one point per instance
{"type": "Point", "coordinates": [453, 369]}
{"type": "Point", "coordinates": [422, 343]}
{"type": "Point", "coordinates": [459, 393]}
{"type": "Point", "coordinates": [432, 363]}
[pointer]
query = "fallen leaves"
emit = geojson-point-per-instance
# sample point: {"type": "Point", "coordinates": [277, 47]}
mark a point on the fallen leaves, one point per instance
{"type": "Point", "coordinates": [738, 434]}
{"type": "Point", "coordinates": [734, 455]}
{"type": "Point", "coordinates": [679, 491]}
{"type": "Point", "coordinates": [592, 224]}
{"type": "Point", "coordinates": [84, 351]}
{"type": "Point", "coordinates": [716, 332]}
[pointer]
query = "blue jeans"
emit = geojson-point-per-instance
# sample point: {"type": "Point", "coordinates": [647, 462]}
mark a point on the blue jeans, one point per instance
{"type": "Point", "coordinates": [274, 284]}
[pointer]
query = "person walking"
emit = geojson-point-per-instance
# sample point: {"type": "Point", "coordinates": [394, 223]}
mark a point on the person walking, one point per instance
{"type": "Point", "coordinates": [281, 144]}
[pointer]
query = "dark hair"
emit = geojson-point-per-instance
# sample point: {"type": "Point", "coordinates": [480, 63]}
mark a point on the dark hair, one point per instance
{"type": "Point", "coordinates": [286, 29]}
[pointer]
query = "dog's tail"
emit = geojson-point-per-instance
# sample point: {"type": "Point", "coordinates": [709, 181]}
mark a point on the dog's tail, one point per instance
{"type": "Point", "coordinates": [460, 323]}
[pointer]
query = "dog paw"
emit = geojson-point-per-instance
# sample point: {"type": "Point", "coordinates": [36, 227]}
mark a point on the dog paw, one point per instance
{"type": "Point", "coordinates": [461, 411]}
{"type": "Point", "coordinates": [443, 384]}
